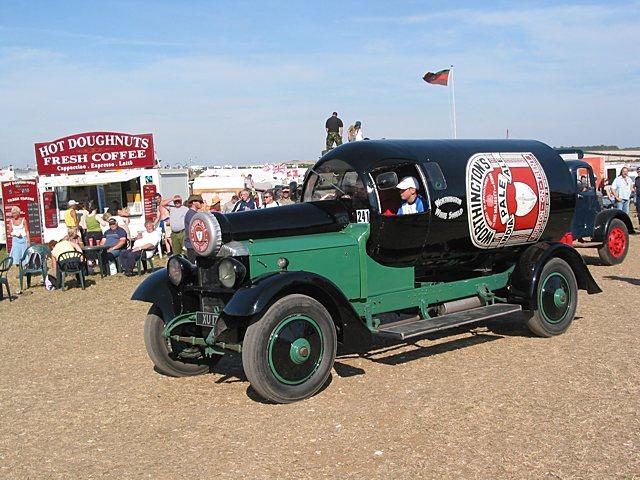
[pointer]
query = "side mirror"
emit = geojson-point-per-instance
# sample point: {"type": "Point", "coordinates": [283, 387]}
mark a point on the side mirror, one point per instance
{"type": "Point", "coordinates": [387, 180]}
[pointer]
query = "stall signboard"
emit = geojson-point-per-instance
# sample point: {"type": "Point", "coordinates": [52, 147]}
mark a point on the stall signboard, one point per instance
{"type": "Point", "coordinates": [150, 205]}
{"type": "Point", "coordinates": [95, 151]}
{"type": "Point", "coordinates": [50, 209]}
{"type": "Point", "coordinates": [24, 195]}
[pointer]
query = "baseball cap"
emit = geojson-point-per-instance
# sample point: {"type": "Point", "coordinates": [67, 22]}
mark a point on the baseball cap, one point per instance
{"type": "Point", "coordinates": [113, 221]}
{"type": "Point", "coordinates": [407, 182]}
{"type": "Point", "coordinates": [72, 202]}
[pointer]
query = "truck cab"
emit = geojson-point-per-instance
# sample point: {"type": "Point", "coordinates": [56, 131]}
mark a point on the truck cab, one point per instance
{"type": "Point", "coordinates": [606, 229]}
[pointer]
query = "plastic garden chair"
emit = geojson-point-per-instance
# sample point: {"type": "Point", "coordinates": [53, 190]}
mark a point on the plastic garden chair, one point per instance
{"type": "Point", "coordinates": [34, 262]}
{"type": "Point", "coordinates": [5, 265]}
{"type": "Point", "coordinates": [72, 263]}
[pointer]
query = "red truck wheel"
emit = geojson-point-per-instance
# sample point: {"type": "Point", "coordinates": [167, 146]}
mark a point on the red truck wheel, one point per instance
{"type": "Point", "coordinates": [616, 245]}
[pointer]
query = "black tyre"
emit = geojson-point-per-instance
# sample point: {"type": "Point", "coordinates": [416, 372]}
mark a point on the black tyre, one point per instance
{"type": "Point", "coordinates": [557, 297]}
{"type": "Point", "coordinates": [288, 354]}
{"type": "Point", "coordinates": [616, 245]}
{"type": "Point", "coordinates": [165, 353]}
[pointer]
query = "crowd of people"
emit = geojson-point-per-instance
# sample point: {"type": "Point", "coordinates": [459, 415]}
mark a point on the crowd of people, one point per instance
{"type": "Point", "coordinates": [173, 216]}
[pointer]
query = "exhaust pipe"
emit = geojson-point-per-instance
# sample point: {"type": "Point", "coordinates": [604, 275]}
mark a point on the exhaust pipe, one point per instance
{"type": "Point", "coordinates": [458, 305]}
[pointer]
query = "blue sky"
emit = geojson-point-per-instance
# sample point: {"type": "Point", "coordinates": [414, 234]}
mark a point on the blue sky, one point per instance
{"type": "Point", "coordinates": [238, 82]}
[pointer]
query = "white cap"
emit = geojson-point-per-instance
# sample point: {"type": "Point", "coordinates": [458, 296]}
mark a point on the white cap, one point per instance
{"type": "Point", "coordinates": [72, 202]}
{"type": "Point", "coordinates": [407, 182]}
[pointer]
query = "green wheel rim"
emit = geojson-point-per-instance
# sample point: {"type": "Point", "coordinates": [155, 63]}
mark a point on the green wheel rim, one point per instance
{"type": "Point", "coordinates": [554, 298]}
{"type": "Point", "coordinates": [295, 349]}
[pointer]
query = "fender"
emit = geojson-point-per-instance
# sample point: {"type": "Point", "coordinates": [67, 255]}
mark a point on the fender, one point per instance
{"type": "Point", "coordinates": [155, 289]}
{"type": "Point", "coordinates": [254, 300]}
{"type": "Point", "coordinates": [603, 220]}
{"type": "Point", "coordinates": [525, 277]}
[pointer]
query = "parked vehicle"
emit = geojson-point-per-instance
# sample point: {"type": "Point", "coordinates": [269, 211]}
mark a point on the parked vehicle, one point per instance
{"type": "Point", "coordinates": [606, 229]}
{"type": "Point", "coordinates": [284, 286]}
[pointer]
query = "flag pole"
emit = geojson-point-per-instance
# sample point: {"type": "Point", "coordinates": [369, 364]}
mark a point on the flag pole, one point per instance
{"type": "Point", "coordinates": [453, 104]}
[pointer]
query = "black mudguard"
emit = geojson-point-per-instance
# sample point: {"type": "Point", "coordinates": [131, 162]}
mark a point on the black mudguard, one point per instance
{"type": "Point", "coordinates": [249, 303]}
{"type": "Point", "coordinates": [155, 289]}
{"type": "Point", "coordinates": [525, 277]}
{"type": "Point", "coordinates": [604, 219]}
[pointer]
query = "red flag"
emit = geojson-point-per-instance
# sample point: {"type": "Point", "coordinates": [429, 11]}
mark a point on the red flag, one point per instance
{"type": "Point", "coordinates": [438, 78]}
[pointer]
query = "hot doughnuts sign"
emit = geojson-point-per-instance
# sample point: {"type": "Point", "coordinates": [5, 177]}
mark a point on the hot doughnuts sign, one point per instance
{"type": "Point", "coordinates": [508, 199]}
{"type": "Point", "coordinates": [93, 151]}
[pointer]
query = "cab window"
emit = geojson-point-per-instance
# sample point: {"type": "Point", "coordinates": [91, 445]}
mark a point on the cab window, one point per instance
{"type": "Point", "coordinates": [583, 179]}
{"type": "Point", "coordinates": [336, 180]}
{"type": "Point", "coordinates": [391, 200]}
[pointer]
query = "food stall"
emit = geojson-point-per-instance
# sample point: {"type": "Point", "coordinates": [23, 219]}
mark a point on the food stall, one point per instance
{"type": "Point", "coordinates": [103, 169]}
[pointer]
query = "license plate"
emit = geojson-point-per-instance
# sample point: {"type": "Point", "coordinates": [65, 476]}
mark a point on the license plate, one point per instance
{"type": "Point", "coordinates": [206, 319]}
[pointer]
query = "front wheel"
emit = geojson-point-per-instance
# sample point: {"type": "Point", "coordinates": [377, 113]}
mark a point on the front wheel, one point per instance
{"type": "Point", "coordinates": [557, 298]}
{"type": "Point", "coordinates": [166, 354]}
{"type": "Point", "coordinates": [615, 247]}
{"type": "Point", "coordinates": [288, 354]}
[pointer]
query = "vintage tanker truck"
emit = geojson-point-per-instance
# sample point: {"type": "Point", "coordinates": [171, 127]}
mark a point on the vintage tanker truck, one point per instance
{"type": "Point", "coordinates": [284, 286]}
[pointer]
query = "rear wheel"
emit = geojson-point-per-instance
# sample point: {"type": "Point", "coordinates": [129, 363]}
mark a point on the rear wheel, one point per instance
{"type": "Point", "coordinates": [170, 357]}
{"type": "Point", "coordinates": [288, 354]}
{"type": "Point", "coordinates": [616, 244]}
{"type": "Point", "coordinates": [557, 299]}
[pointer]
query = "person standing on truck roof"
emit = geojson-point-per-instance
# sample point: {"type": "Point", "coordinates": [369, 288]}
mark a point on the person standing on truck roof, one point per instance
{"type": "Point", "coordinates": [622, 187]}
{"type": "Point", "coordinates": [411, 201]}
{"type": "Point", "coordinates": [177, 212]}
{"type": "Point", "coordinates": [333, 126]}
{"type": "Point", "coordinates": [354, 133]}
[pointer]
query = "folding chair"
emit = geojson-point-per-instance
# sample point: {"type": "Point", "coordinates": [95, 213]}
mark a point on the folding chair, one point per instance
{"type": "Point", "coordinates": [5, 265]}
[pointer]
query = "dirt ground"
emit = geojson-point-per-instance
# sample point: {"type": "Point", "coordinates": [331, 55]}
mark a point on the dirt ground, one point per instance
{"type": "Point", "coordinates": [79, 399]}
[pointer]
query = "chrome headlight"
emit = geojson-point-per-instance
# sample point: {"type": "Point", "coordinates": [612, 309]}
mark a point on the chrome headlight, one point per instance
{"type": "Point", "coordinates": [231, 272]}
{"type": "Point", "coordinates": [175, 271]}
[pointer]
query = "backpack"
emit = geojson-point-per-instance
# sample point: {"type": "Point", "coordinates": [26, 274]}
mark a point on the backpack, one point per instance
{"type": "Point", "coordinates": [50, 283]}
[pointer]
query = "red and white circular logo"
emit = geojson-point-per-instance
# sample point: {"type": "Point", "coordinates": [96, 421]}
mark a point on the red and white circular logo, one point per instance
{"type": "Point", "coordinates": [199, 235]}
{"type": "Point", "coordinates": [508, 199]}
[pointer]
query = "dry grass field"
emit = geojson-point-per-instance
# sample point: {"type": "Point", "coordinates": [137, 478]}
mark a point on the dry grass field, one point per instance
{"type": "Point", "coordinates": [79, 399]}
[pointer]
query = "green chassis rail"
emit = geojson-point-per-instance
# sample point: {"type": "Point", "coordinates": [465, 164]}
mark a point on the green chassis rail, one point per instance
{"type": "Point", "coordinates": [423, 297]}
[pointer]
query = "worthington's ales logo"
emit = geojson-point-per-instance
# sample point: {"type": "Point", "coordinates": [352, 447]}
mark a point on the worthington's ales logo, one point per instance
{"type": "Point", "coordinates": [507, 199]}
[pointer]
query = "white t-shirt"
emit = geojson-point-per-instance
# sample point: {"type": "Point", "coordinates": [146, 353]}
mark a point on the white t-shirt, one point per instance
{"type": "Point", "coordinates": [270, 205]}
{"type": "Point", "coordinates": [152, 238]}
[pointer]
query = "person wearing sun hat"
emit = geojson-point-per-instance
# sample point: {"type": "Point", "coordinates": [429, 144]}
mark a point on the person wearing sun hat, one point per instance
{"type": "Point", "coordinates": [194, 202]}
{"type": "Point", "coordinates": [215, 204]}
{"type": "Point", "coordinates": [411, 201]}
{"type": "Point", "coordinates": [285, 198]}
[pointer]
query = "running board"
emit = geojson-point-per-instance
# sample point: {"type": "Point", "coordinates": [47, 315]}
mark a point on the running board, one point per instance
{"type": "Point", "coordinates": [403, 330]}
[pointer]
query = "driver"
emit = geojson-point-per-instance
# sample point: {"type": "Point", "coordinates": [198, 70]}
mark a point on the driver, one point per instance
{"type": "Point", "coordinates": [411, 201]}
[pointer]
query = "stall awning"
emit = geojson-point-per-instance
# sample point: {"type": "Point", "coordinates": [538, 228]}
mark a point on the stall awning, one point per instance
{"type": "Point", "coordinates": [89, 178]}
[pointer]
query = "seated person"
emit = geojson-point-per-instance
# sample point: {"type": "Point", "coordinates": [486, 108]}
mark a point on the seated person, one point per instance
{"type": "Point", "coordinates": [115, 239]}
{"type": "Point", "coordinates": [411, 201]}
{"type": "Point", "coordinates": [67, 244]}
{"type": "Point", "coordinates": [146, 244]}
